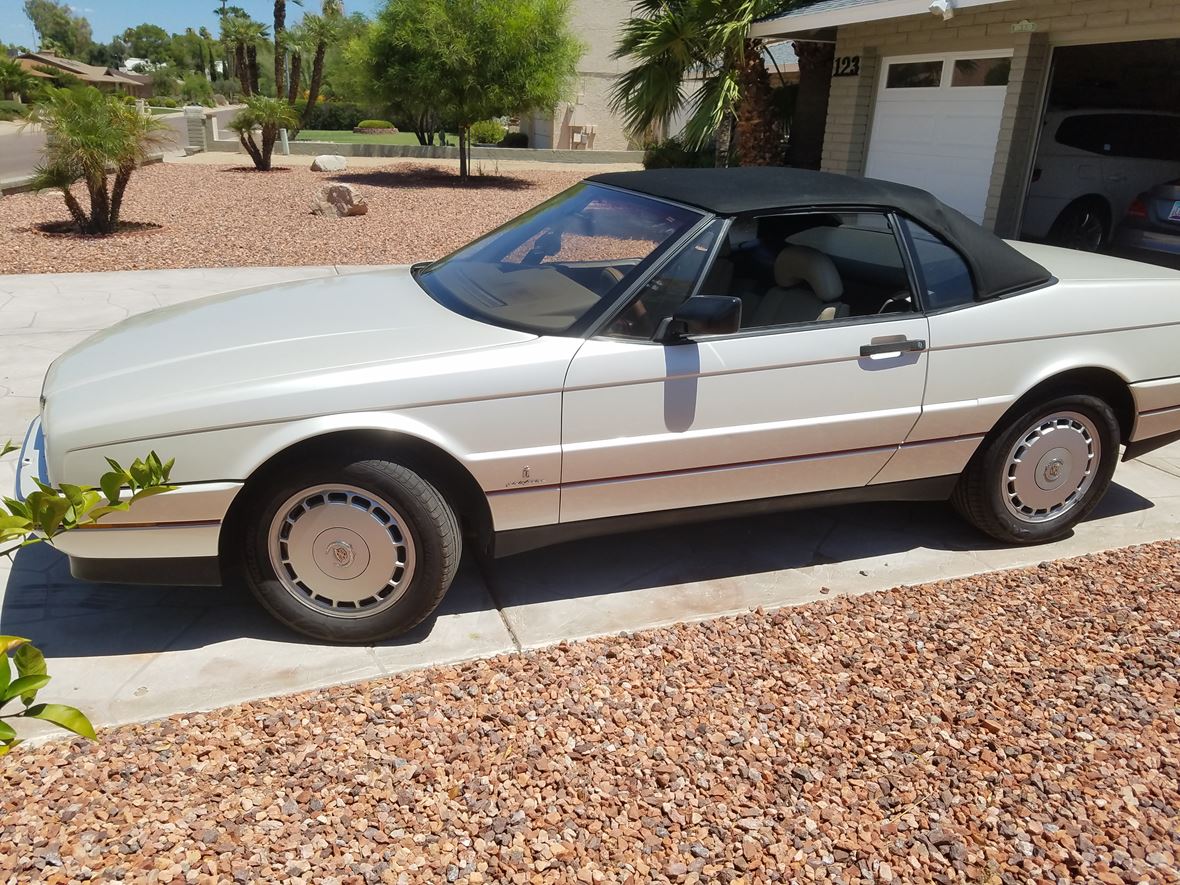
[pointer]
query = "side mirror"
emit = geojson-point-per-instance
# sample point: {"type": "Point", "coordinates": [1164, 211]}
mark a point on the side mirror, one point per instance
{"type": "Point", "coordinates": [700, 315]}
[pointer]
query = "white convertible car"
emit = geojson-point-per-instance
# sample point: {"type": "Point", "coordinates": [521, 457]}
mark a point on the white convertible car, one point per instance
{"type": "Point", "coordinates": [644, 349]}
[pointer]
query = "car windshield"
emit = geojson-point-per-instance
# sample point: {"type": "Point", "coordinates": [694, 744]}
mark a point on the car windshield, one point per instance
{"type": "Point", "coordinates": [552, 270]}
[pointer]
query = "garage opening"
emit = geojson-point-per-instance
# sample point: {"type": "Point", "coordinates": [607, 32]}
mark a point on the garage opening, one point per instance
{"type": "Point", "coordinates": [1109, 148]}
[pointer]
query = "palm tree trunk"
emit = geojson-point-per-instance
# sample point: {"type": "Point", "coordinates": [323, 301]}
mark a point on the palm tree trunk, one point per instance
{"type": "Point", "coordinates": [811, 106]}
{"type": "Point", "coordinates": [464, 164]}
{"type": "Point", "coordinates": [280, 23]}
{"type": "Point", "coordinates": [100, 206]}
{"type": "Point", "coordinates": [252, 64]}
{"type": "Point", "coordinates": [756, 141]}
{"type": "Point", "coordinates": [317, 77]}
{"type": "Point", "coordinates": [269, 134]}
{"type": "Point", "coordinates": [243, 69]}
{"type": "Point", "coordinates": [296, 74]}
{"type": "Point", "coordinates": [76, 211]}
{"type": "Point", "coordinates": [724, 140]}
{"type": "Point", "coordinates": [247, 140]}
{"type": "Point", "coordinates": [121, 179]}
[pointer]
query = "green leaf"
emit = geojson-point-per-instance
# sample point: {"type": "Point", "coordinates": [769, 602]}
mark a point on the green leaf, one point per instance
{"type": "Point", "coordinates": [112, 486]}
{"type": "Point", "coordinates": [99, 512]}
{"type": "Point", "coordinates": [5, 674]}
{"type": "Point", "coordinates": [27, 687]}
{"type": "Point", "coordinates": [140, 473]}
{"type": "Point", "coordinates": [6, 746]}
{"type": "Point", "coordinates": [7, 732]}
{"type": "Point", "coordinates": [116, 466]}
{"type": "Point", "coordinates": [149, 492]}
{"type": "Point", "coordinates": [9, 446]}
{"type": "Point", "coordinates": [69, 718]}
{"type": "Point", "coordinates": [8, 643]}
{"type": "Point", "coordinates": [52, 513]}
{"type": "Point", "coordinates": [29, 662]}
{"type": "Point", "coordinates": [16, 508]}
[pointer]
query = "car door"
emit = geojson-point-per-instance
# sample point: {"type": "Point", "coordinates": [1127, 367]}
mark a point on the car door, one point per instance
{"type": "Point", "coordinates": [779, 408]}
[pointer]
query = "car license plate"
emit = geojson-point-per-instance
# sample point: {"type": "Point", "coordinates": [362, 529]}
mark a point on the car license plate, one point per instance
{"type": "Point", "coordinates": [1174, 215]}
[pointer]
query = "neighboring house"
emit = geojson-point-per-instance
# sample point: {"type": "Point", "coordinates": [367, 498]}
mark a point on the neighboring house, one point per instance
{"type": "Point", "coordinates": [106, 79]}
{"type": "Point", "coordinates": [953, 95]}
{"type": "Point", "coordinates": [586, 122]}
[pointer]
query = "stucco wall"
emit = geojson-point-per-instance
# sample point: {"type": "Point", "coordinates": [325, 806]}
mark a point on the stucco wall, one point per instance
{"type": "Point", "coordinates": [1057, 22]}
{"type": "Point", "coordinates": [596, 23]}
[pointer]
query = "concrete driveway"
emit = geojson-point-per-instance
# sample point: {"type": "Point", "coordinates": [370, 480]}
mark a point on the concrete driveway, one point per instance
{"type": "Point", "coordinates": [127, 653]}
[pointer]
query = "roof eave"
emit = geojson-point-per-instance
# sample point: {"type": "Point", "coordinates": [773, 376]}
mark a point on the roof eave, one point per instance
{"type": "Point", "coordinates": [803, 21]}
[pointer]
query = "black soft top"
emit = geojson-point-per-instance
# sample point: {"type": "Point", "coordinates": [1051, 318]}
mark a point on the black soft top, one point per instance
{"type": "Point", "coordinates": [998, 269]}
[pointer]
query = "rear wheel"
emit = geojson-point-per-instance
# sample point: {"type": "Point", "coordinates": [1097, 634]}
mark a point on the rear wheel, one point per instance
{"type": "Point", "coordinates": [1043, 473]}
{"type": "Point", "coordinates": [358, 552]}
{"type": "Point", "coordinates": [1083, 225]}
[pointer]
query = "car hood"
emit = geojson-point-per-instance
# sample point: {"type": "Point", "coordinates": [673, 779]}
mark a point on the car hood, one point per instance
{"type": "Point", "coordinates": [243, 353]}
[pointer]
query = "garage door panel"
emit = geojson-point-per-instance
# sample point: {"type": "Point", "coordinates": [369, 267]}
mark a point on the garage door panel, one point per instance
{"type": "Point", "coordinates": [941, 138]}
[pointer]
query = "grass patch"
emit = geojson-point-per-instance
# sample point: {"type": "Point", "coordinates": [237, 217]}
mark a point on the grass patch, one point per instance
{"type": "Point", "coordinates": [346, 136]}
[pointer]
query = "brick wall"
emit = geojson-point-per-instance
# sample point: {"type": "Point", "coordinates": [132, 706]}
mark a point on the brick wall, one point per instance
{"type": "Point", "coordinates": [986, 27]}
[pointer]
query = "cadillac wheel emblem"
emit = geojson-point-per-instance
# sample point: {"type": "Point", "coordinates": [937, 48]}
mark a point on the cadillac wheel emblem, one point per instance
{"type": "Point", "coordinates": [340, 552]}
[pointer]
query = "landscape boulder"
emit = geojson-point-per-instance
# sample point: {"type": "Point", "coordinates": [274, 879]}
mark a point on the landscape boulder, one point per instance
{"type": "Point", "coordinates": [339, 200]}
{"type": "Point", "coordinates": [329, 163]}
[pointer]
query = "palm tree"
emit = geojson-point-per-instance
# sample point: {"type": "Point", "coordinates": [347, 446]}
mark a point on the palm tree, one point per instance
{"type": "Point", "coordinates": [313, 35]}
{"type": "Point", "coordinates": [674, 42]}
{"type": "Point", "coordinates": [15, 81]}
{"type": "Point", "coordinates": [241, 35]}
{"type": "Point", "coordinates": [87, 135]}
{"type": "Point", "coordinates": [268, 116]}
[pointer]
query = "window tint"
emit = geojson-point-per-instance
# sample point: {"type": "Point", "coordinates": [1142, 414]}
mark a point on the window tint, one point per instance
{"type": "Point", "coordinates": [981, 72]}
{"type": "Point", "coordinates": [662, 294]}
{"type": "Point", "coordinates": [946, 276]}
{"type": "Point", "coordinates": [812, 268]}
{"type": "Point", "coordinates": [1141, 136]}
{"type": "Point", "coordinates": [914, 74]}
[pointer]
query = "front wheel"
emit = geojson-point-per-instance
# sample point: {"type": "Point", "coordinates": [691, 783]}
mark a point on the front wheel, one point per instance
{"type": "Point", "coordinates": [1083, 225]}
{"type": "Point", "coordinates": [1043, 473]}
{"type": "Point", "coordinates": [357, 552]}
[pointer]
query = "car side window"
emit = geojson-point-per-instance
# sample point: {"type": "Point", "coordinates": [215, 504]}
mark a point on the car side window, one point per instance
{"type": "Point", "coordinates": [945, 276]}
{"type": "Point", "coordinates": [816, 267]}
{"type": "Point", "coordinates": [665, 291]}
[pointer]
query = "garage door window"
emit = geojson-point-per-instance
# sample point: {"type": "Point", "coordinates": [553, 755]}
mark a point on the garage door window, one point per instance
{"type": "Point", "coordinates": [914, 75]}
{"type": "Point", "coordinates": [981, 72]}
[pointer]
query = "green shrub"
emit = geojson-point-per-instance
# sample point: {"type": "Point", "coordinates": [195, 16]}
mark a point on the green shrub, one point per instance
{"type": "Point", "coordinates": [515, 140]}
{"type": "Point", "coordinates": [332, 115]}
{"type": "Point", "coordinates": [10, 110]}
{"type": "Point", "coordinates": [374, 124]}
{"type": "Point", "coordinates": [487, 132]}
{"type": "Point", "coordinates": [163, 102]}
{"type": "Point", "coordinates": [673, 154]}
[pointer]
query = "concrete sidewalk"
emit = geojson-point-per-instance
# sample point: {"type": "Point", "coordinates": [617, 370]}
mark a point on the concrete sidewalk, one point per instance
{"type": "Point", "coordinates": [128, 653]}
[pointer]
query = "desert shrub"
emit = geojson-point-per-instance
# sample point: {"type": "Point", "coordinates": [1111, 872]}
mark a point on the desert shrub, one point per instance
{"type": "Point", "coordinates": [515, 140]}
{"type": "Point", "coordinates": [332, 115]}
{"type": "Point", "coordinates": [196, 89]}
{"type": "Point", "coordinates": [487, 132]}
{"type": "Point", "coordinates": [163, 101]}
{"type": "Point", "coordinates": [673, 154]}
{"type": "Point", "coordinates": [11, 110]}
{"type": "Point", "coordinates": [374, 124]}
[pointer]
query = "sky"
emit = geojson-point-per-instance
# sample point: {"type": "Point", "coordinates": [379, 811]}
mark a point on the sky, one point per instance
{"type": "Point", "coordinates": [111, 17]}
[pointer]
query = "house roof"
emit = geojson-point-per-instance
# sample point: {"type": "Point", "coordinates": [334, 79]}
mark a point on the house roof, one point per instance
{"type": "Point", "coordinates": [81, 70]}
{"type": "Point", "coordinates": [834, 13]}
{"type": "Point", "coordinates": [996, 267]}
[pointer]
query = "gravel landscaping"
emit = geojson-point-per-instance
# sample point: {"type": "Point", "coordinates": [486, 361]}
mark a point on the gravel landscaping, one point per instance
{"type": "Point", "coordinates": [1014, 727]}
{"type": "Point", "coordinates": [229, 216]}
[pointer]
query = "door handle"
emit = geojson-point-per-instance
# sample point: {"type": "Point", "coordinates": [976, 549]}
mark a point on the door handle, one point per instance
{"type": "Point", "coordinates": [913, 345]}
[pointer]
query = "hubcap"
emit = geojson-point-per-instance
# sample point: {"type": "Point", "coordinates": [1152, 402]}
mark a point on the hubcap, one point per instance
{"type": "Point", "coordinates": [341, 551]}
{"type": "Point", "coordinates": [1051, 467]}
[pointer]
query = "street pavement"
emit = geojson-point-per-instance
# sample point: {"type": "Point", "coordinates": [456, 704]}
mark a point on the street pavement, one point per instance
{"type": "Point", "coordinates": [125, 653]}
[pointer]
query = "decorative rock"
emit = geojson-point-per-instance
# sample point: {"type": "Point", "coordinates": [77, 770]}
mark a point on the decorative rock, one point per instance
{"type": "Point", "coordinates": [339, 200]}
{"type": "Point", "coordinates": [329, 163]}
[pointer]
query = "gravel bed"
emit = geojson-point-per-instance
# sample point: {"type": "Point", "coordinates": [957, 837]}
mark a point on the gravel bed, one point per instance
{"type": "Point", "coordinates": [1019, 726]}
{"type": "Point", "coordinates": [227, 216]}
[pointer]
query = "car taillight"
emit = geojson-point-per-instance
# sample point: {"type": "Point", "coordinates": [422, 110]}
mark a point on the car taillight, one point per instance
{"type": "Point", "coordinates": [1137, 209]}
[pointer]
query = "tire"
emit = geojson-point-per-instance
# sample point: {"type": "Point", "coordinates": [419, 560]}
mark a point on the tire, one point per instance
{"type": "Point", "coordinates": [1027, 486]}
{"type": "Point", "coordinates": [1083, 225]}
{"type": "Point", "coordinates": [354, 553]}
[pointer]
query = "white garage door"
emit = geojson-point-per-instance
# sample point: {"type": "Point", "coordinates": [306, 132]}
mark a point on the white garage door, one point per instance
{"type": "Point", "coordinates": [936, 124]}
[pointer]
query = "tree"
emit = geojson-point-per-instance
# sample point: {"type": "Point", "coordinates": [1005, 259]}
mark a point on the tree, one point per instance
{"type": "Point", "coordinates": [280, 25]}
{"type": "Point", "coordinates": [241, 35]}
{"type": "Point", "coordinates": [472, 60]}
{"type": "Point", "coordinates": [148, 41]}
{"type": "Point", "coordinates": [810, 118]}
{"type": "Point", "coordinates": [58, 28]}
{"type": "Point", "coordinates": [88, 134]}
{"type": "Point", "coordinates": [268, 116]}
{"type": "Point", "coordinates": [108, 55]}
{"type": "Point", "coordinates": [15, 81]}
{"type": "Point", "coordinates": [314, 33]}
